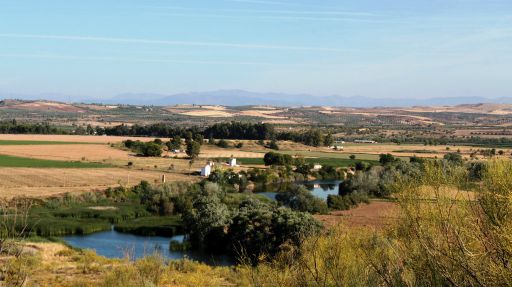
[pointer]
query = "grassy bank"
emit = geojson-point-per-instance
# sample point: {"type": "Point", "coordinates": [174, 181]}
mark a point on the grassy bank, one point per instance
{"type": "Point", "coordinates": [86, 219]}
{"type": "Point", "coordinates": [152, 226]}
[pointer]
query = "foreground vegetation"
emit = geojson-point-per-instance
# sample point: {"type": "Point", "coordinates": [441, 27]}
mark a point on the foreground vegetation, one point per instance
{"type": "Point", "coordinates": [448, 231]}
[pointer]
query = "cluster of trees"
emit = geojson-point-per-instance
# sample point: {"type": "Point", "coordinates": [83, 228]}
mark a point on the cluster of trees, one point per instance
{"type": "Point", "coordinates": [153, 130]}
{"type": "Point", "coordinates": [240, 130]}
{"type": "Point", "coordinates": [272, 158]}
{"type": "Point", "coordinates": [312, 137]}
{"type": "Point", "coordinates": [218, 219]}
{"type": "Point", "coordinates": [149, 149]}
{"type": "Point", "coordinates": [155, 148]}
{"type": "Point", "coordinates": [252, 228]}
{"type": "Point", "coordinates": [347, 201]}
{"type": "Point", "coordinates": [13, 127]}
{"type": "Point", "coordinates": [375, 181]}
{"type": "Point", "coordinates": [301, 199]}
{"type": "Point", "coordinates": [301, 166]}
{"type": "Point", "coordinates": [229, 130]}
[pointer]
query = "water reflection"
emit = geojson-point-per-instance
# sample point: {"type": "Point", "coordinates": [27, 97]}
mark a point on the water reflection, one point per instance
{"type": "Point", "coordinates": [319, 188]}
{"type": "Point", "coordinates": [113, 244]}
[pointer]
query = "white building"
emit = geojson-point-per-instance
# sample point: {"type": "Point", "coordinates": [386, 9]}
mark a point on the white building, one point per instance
{"type": "Point", "coordinates": [232, 162]}
{"type": "Point", "coordinates": [206, 170]}
{"type": "Point", "coordinates": [317, 167]}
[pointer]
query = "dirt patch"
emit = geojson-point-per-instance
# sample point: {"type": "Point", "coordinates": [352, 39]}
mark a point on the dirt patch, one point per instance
{"type": "Point", "coordinates": [377, 214]}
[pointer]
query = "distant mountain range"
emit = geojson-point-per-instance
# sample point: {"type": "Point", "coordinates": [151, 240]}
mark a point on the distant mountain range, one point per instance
{"type": "Point", "coordinates": [245, 98]}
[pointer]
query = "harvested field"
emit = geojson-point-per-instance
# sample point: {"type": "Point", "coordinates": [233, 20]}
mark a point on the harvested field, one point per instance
{"type": "Point", "coordinates": [16, 142]}
{"type": "Point", "coordinates": [375, 215]}
{"type": "Point", "coordinates": [207, 113]}
{"type": "Point", "coordinates": [40, 182]}
{"type": "Point", "coordinates": [267, 114]}
{"type": "Point", "coordinates": [45, 106]}
{"type": "Point", "coordinates": [76, 152]}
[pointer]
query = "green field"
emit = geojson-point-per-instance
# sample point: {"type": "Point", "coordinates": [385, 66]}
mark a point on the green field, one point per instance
{"type": "Point", "coordinates": [20, 142]}
{"type": "Point", "coordinates": [14, 161]}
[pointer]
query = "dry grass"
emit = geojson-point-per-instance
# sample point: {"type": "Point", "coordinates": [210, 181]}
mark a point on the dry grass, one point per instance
{"type": "Point", "coordinates": [377, 214]}
{"type": "Point", "coordinates": [45, 106]}
{"type": "Point", "coordinates": [76, 152]}
{"type": "Point", "coordinates": [207, 113]}
{"type": "Point", "coordinates": [36, 182]}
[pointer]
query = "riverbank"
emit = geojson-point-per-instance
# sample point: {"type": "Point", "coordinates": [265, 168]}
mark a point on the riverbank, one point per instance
{"type": "Point", "coordinates": [54, 264]}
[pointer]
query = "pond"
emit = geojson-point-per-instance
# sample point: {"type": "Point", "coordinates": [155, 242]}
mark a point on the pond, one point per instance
{"type": "Point", "coordinates": [113, 244]}
{"type": "Point", "coordinates": [319, 188]}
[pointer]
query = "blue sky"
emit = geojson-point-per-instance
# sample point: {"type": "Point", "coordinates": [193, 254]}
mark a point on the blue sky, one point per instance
{"type": "Point", "coordinates": [373, 48]}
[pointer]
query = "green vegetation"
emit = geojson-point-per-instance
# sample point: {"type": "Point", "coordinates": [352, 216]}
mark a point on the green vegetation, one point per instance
{"type": "Point", "coordinates": [148, 149]}
{"type": "Point", "coordinates": [14, 161]}
{"type": "Point", "coordinates": [253, 228]}
{"type": "Point", "coordinates": [193, 149]}
{"type": "Point", "coordinates": [452, 240]}
{"type": "Point", "coordinates": [152, 226]}
{"type": "Point", "coordinates": [222, 143]}
{"type": "Point", "coordinates": [301, 199]}
{"type": "Point", "coordinates": [452, 228]}
{"type": "Point", "coordinates": [79, 218]}
{"type": "Point", "coordinates": [335, 162]}
{"type": "Point", "coordinates": [347, 201]}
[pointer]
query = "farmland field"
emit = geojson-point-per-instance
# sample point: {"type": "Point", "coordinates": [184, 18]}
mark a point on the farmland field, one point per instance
{"type": "Point", "coordinates": [40, 182]}
{"type": "Point", "coordinates": [28, 142]}
{"type": "Point", "coordinates": [14, 161]}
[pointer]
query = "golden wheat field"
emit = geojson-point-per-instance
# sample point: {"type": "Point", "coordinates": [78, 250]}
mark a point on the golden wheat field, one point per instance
{"type": "Point", "coordinates": [41, 182]}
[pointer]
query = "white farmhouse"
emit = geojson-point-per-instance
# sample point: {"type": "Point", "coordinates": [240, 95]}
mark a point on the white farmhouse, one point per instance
{"type": "Point", "coordinates": [317, 167]}
{"type": "Point", "coordinates": [206, 170]}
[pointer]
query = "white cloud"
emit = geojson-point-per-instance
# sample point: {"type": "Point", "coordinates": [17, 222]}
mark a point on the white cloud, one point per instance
{"type": "Point", "coordinates": [170, 42]}
{"type": "Point", "coordinates": [162, 61]}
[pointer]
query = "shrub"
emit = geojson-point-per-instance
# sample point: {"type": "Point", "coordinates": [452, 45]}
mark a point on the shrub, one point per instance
{"type": "Point", "coordinates": [301, 199]}
{"type": "Point", "coordinates": [347, 201]}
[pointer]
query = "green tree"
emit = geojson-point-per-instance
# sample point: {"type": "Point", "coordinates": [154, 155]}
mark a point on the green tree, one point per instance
{"type": "Point", "coordinates": [328, 140]}
{"type": "Point", "coordinates": [273, 145]}
{"type": "Point", "coordinates": [454, 158]}
{"type": "Point", "coordinates": [174, 143]}
{"type": "Point", "coordinates": [386, 159]}
{"type": "Point", "coordinates": [193, 149]}
{"type": "Point", "coordinates": [222, 143]}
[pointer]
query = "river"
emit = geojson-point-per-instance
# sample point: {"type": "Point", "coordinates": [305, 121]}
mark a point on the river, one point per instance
{"type": "Point", "coordinates": [113, 244]}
